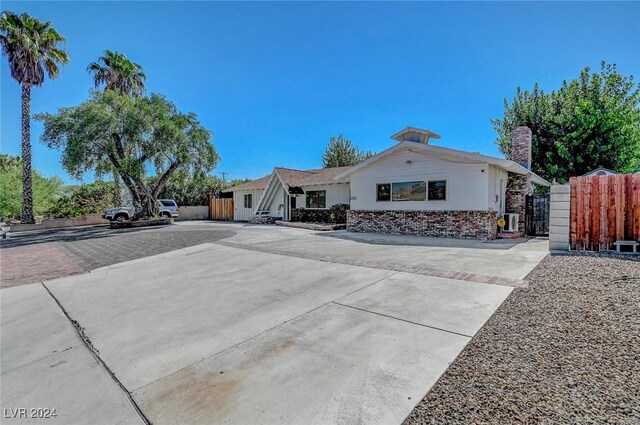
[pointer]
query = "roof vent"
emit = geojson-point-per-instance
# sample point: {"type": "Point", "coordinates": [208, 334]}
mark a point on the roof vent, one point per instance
{"type": "Point", "coordinates": [413, 134]}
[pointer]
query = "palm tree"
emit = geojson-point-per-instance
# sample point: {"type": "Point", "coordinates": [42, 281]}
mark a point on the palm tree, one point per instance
{"type": "Point", "coordinates": [33, 48]}
{"type": "Point", "coordinates": [117, 72]}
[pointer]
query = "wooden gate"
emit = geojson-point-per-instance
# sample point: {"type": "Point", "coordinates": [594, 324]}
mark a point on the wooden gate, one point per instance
{"type": "Point", "coordinates": [220, 208]}
{"type": "Point", "coordinates": [603, 210]}
{"type": "Point", "coordinates": [537, 215]}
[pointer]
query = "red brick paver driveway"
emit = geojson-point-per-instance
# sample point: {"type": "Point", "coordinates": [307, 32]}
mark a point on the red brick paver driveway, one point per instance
{"type": "Point", "coordinates": [31, 257]}
{"type": "Point", "coordinates": [34, 263]}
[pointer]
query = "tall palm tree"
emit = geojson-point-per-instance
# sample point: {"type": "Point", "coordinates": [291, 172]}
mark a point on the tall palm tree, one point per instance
{"type": "Point", "coordinates": [117, 72]}
{"type": "Point", "coordinates": [33, 48]}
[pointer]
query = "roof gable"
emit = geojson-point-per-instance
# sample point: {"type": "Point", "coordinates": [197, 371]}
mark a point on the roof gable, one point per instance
{"type": "Point", "coordinates": [257, 184]}
{"type": "Point", "coordinates": [292, 177]}
{"type": "Point", "coordinates": [448, 154]}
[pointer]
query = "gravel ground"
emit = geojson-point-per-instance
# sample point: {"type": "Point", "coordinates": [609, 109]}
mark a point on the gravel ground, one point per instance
{"type": "Point", "coordinates": [564, 350]}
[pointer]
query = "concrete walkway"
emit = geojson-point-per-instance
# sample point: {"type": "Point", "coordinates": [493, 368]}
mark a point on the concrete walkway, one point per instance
{"type": "Point", "coordinates": [272, 325]}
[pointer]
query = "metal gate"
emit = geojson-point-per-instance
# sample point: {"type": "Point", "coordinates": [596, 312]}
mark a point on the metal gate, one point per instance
{"type": "Point", "coordinates": [537, 215]}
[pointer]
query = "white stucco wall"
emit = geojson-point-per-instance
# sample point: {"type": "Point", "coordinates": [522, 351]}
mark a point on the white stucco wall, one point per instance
{"type": "Point", "coordinates": [467, 184]}
{"type": "Point", "coordinates": [336, 194]}
{"type": "Point", "coordinates": [497, 189]}
{"type": "Point", "coordinates": [240, 213]}
{"type": "Point", "coordinates": [277, 205]}
{"type": "Point", "coordinates": [193, 212]}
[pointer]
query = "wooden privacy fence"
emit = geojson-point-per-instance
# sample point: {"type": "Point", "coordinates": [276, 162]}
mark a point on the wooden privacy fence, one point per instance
{"type": "Point", "coordinates": [603, 210]}
{"type": "Point", "coordinates": [220, 208]}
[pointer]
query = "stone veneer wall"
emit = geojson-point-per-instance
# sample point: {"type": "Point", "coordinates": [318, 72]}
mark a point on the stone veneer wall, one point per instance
{"type": "Point", "coordinates": [518, 187]}
{"type": "Point", "coordinates": [448, 224]}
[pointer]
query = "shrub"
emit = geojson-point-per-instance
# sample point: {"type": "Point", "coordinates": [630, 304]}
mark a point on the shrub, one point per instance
{"type": "Point", "coordinates": [337, 214]}
{"type": "Point", "coordinates": [92, 198]}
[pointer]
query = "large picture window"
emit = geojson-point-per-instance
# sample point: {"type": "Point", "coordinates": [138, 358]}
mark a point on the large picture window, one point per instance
{"type": "Point", "coordinates": [409, 191]}
{"type": "Point", "coordinates": [248, 201]}
{"type": "Point", "coordinates": [383, 193]}
{"type": "Point", "coordinates": [437, 190]}
{"type": "Point", "coordinates": [316, 199]}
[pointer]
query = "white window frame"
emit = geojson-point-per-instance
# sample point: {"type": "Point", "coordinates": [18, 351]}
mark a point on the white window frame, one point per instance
{"type": "Point", "coordinates": [250, 198]}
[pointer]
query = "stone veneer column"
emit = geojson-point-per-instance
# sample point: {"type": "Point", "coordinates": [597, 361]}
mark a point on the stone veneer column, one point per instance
{"type": "Point", "coordinates": [519, 185]}
{"type": "Point", "coordinates": [521, 146]}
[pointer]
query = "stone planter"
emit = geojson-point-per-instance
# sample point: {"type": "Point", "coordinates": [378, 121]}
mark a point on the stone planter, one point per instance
{"type": "Point", "coordinates": [141, 223]}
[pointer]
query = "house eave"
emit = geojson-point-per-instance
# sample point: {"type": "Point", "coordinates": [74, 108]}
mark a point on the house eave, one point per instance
{"type": "Point", "coordinates": [449, 154]}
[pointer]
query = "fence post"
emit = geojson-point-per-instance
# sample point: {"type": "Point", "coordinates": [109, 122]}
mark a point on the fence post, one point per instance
{"type": "Point", "coordinates": [209, 203]}
{"type": "Point", "coordinates": [559, 217]}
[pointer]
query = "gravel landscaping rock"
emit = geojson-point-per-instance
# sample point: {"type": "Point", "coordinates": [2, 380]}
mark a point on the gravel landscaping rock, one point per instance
{"type": "Point", "coordinates": [564, 350]}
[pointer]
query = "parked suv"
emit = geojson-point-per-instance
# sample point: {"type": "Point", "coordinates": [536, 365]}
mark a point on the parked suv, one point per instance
{"type": "Point", "coordinates": [168, 208]}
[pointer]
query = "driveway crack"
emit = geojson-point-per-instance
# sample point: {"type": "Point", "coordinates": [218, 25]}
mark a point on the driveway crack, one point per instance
{"type": "Point", "coordinates": [96, 354]}
{"type": "Point", "coordinates": [403, 320]}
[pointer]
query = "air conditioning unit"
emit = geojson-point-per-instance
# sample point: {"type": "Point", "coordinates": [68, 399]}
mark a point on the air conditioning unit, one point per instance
{"type": "Point", "coordinates": [511, 223]}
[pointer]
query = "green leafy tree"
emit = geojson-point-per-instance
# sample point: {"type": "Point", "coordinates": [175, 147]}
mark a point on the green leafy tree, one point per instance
{"type": "Point", "coordinates": [8, 162]}
{"type": "Point", "coordinates": [90, 198]}
{"type": "Point", "coordinates": [33, 49]}
{"type": "Point", "coordinates": [46, 189]}
{"type": "Point", "coordinates": [341, 152]}
{"type": "Point", "coordinates": [116, 72]}
{"type": "Point", "coordinates": [189, 189]}
{"type": "Point", "coordinates": [134, 134]}
{"type": "Point", "coordinates": [592, 121]}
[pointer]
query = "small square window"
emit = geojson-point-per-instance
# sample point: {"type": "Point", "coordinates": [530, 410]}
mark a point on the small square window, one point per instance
{"type": "Point", "coordinates": [437, 190]}
{"type": "Point", "coordinates": [383, 192]}
{"type": "Point", "coordinates": [248, 200]}
{"type": "Point", "coordinates": [316, 199]}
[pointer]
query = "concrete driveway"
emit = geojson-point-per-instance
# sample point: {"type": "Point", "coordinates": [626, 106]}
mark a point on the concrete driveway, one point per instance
{"type": "Point", "coordinates": [279, 325]}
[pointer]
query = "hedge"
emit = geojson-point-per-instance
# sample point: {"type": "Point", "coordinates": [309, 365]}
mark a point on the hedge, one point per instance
{"type": "Point", "coordinates": [336, 214]}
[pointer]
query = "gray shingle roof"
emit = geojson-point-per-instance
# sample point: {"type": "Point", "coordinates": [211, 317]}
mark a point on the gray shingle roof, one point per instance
{"type": "Point", "coordinates": [293, 177]}
{"type": "Point", "coordinates": [260, 183]}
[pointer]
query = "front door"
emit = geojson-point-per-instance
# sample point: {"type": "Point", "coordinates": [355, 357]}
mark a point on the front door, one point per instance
{"type": "Point", "coordinates": [293, 202]}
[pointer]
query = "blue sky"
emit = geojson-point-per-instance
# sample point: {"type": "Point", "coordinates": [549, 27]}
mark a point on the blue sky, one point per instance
{"type": "Point", "coordinates": [275, 80]}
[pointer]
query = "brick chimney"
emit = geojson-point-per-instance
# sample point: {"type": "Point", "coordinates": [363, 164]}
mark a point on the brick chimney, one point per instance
{"type": "Point", "coordinates": [519, 185]}
{"type": "Point", "coordinates": [521, 146]}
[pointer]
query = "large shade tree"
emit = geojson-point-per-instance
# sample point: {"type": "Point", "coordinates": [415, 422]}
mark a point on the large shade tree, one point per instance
{"type": "Point", "coordinates": [34, 49]}
{"type": "Point", "coordinates": [589, 122]}
{"type": "Point", "coordinates": [115, 71]}
{"type": "Point", "coordinates": [134, 134]}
